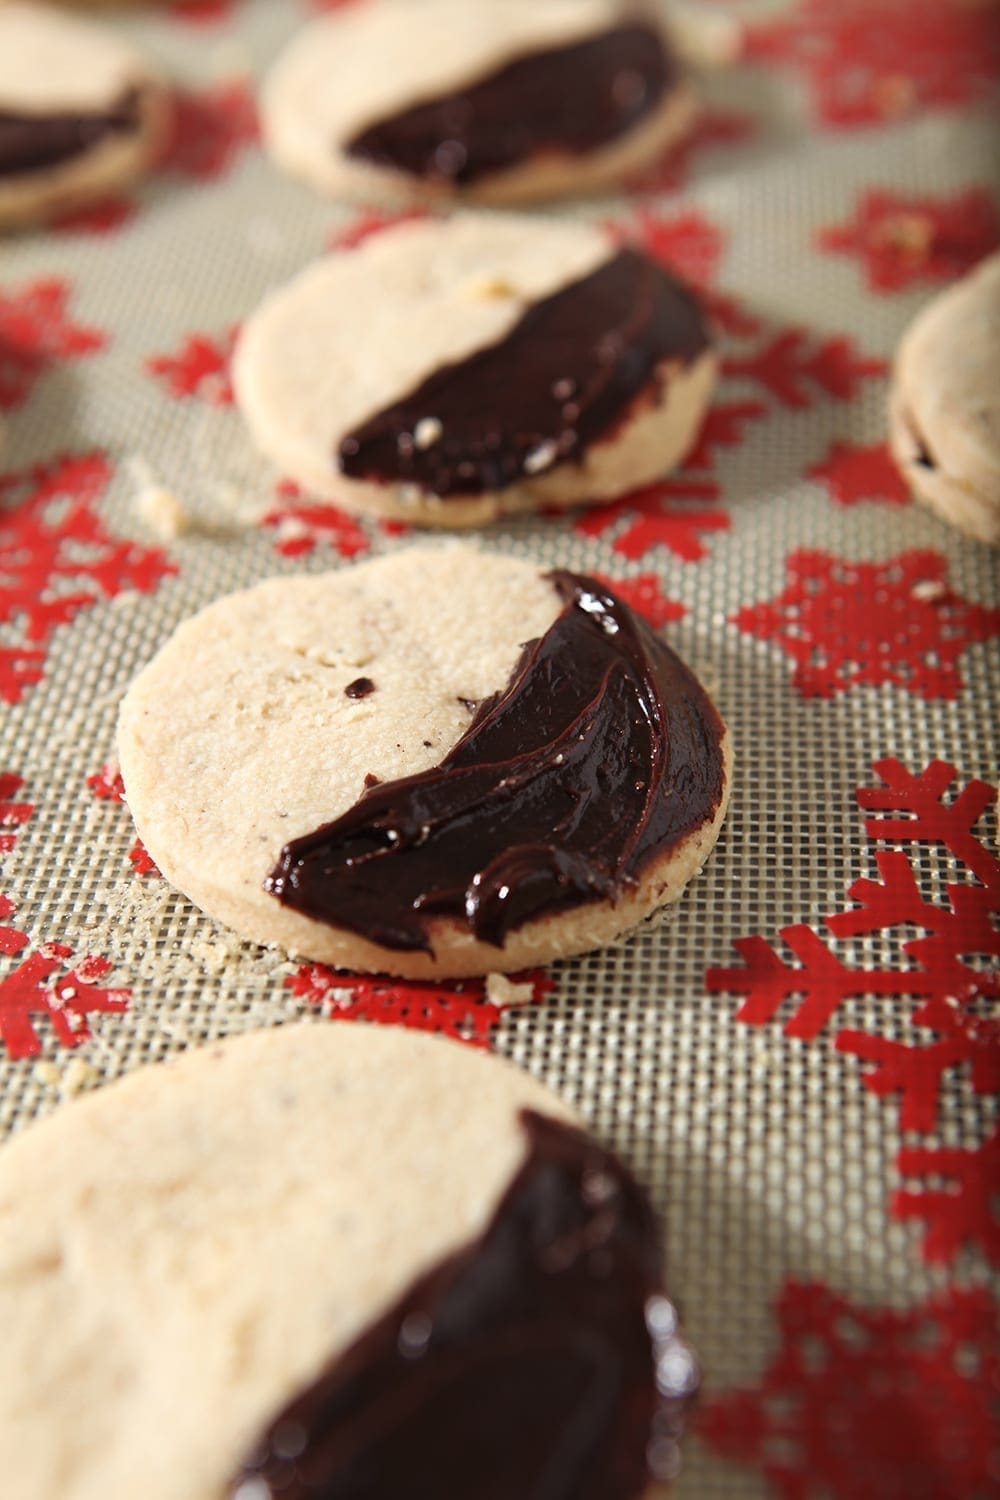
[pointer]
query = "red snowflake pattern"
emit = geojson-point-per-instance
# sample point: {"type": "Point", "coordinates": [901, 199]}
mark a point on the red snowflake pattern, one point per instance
{"type": "Point", "coordinates": [967, 1212]}
{"type": "Point", "coordinates": [654, 519]}
{"type": "Point", "coordinates": [797, 372]}
{"type": "Point", "coordinates": [299, 526]}
{"type": "Point", "coordinates": [461, 1010]}
{"type": "Point", "coordinates": [686, 243]}
{"type": "Point", "coordinates": [57, 558]}
{"type": "Point", "coordinates": [107, 785]}
{"type": "Point", "coordinates": [866, 61]}
{"type": "Point", "coordinates": [937, 971]}
{"type": "Point", "coordinates": [37, 989]}
{"type": "Point", "coordinates": [200, 369]}
{"type": "Point", "coordinates": [853, 472]}
{"type": "Point", "coordinates": [13, 814]}
{"type": "Point", "coordinates": [36, 330]}
{"type": "Point", "coordinates": [102, 218]}
{"type": "Point", "coordinates": [869, 1404]}
{"type": "Point", "coordinates": [645, 595]}
{"type": "Point", "coordinates": [911, 631]}
{"type": "Point", "coordinates": [724, 427]}
{"type": "Point", "coordinates": [715, 128]}
{"type": "Point", "coordinates": [11, 940]}
{"type": "Point", "coordinates": [211, 127]}
{"type": "Point", "coordinates": [905, 240]}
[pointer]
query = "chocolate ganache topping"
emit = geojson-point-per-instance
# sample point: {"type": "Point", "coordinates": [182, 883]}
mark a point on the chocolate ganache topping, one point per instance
{"type": "Point", "coordinates": [540, 1363]}
{"type": "Point", "coordinates": [34, 142]}
{"type": "Point", "coordinates": [558, 382]}
{"type": "Point", "coordinates": [565, 101]}
{"type": "Point", "coordinates": [601, 754]}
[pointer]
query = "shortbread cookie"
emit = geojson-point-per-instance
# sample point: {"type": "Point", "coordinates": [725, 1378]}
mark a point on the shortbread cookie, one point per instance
{"type": "Point", "coordinates": [451, 372]}
{"type": "Point", "coordinates": [944, 419]}
{"type": "Point", "coordinates": [372, 769]}
{"type": "Point", "coordinates": [502, 103]}
{"type": "Point", "coordinates": [81, 114]}
{"type": "Point", "coordinates": [375, 1261]}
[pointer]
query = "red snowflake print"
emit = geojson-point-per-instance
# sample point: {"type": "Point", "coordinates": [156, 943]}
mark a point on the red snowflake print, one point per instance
{"type": "Point", "coordinates": [461, 1010]}
{"type": "Point", "coordinates": [965, 1212]}
{"type": "Point", "coordinates": [57, 558]}
{"type": "Point", "coordinates": [686, 243]}
{"type": "Point", "coordinates": [11, 940]}
{"type": "Point", "coordinates": [33, 991]}
{"type": "Point", "coordinates": [13, 813]}
{"type": "Point", "coordinates": [654, 519]}
{"type": "Point", "coordinates": [200, 369]}
{"type": "Point", "coordinates": [645, 595]}
{"type": "Point", "coordinates": [906, 240]}
{"type": "Point", "coordinates": [35, 331]}
{"type": "Point", "coordinates": [299, 526]}
{"type": "Point", "coordinates": [211, 127]}
{"type": "Point", "coordinates": [798, 372]}
{"type": "Point", "coordinates": [847, 624]}
{"type": "Point", "coordinates": [724, 427]}
{"type": "Point", "coordinates": [365, 225]}
{"type": "Point", "coordinates": [869, 1404]}
{"type": "Point", "coordinates": [108, 786]}
{"type": "Point", "coordinates": [201, 12]}
{"type": "Point", "coordinates": [937, 947]}
{"type": "Point", "coordinates": [866, 61]}
{"type": "Point", "coordinates": [715, 128]}
{"type": "Point", "coordinates": [103, 218]}
{"type": "Point", "coordinates": [853, 472]}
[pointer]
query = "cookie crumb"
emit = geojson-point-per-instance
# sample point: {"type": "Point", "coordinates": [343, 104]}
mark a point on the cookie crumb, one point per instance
{"type": "Point", "coordinates": [163, 512]}
{"type": "Point", "coordinates": [47, 1073]}
{"type": "Point", "coordinates": [929, 590]}
{"type": "Point", "coordinates": [502, 991]}
{"type": "Point", "coordinates": [77, 1077]}
{"type": "Point", "coordinates": [427, 432]}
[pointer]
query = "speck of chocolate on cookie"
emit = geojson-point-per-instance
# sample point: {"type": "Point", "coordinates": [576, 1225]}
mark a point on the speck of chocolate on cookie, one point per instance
{"type": "Point", "coordinates": [361, 687]}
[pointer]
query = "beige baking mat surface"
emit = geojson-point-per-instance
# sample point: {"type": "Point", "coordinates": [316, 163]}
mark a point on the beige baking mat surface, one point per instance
{"type": "Point", "coordinates": [838, 179]}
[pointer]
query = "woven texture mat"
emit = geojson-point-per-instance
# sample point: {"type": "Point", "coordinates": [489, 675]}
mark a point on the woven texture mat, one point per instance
{"type": "Point", "coordinates": [813, 1108]}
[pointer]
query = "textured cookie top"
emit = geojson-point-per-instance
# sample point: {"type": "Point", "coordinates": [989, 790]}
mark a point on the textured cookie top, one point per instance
{"type": "Point", "coordinates": [348, 70]}
{"type": "Point", "coordinates": [183, 1252]}
{"type": "Point", "coordinates": [51, 62]}
{"type": "Point", "coordinates": [948, 375]}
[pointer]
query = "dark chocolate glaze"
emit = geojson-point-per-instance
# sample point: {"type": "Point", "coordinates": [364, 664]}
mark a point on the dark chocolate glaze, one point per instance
{"type": "Point", "coordinates": [560, 381]}
{"type": "Point", "coordinates": [602, 754]}
{"type": "Point", "coordinates": [525, 1367]}
{"type": "Point", "coordinates": [33, 143]}
{"type": "Point", "coordinates": [565, 101]}
{"type": "Point", "coordinates": [361, 687]}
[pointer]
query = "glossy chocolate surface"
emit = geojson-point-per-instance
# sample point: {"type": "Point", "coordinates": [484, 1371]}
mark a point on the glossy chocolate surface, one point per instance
{"type": "Point", "coordinates": [601, 754]}
{"type": "Point", "coordinates": [33, 143]}
{"type": "Point", "coordinates": [525, 1367]}
{"type": "Point", "coordinates": [564, 101]}
{"type": "Point", "coordinates": [561, 380]}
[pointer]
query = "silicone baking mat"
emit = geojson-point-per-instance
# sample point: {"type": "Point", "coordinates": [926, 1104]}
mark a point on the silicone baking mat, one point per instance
{"type": "Point", "coordinates": [799, 1058]}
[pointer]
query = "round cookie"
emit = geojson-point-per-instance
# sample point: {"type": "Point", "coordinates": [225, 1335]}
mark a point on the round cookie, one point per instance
{"type": "Point", "coordinates": [500, 103]}
{"type": "Point", "coordinates": [322, 764]}
{"type": "Point", "coordinates": [81, 114]}
{"type": "Point", "coordinates": [449, 372]}
{"type": "Point", "coordinates": [944, 411]}
{"type": "Point", "coordinates": [267, 1220]}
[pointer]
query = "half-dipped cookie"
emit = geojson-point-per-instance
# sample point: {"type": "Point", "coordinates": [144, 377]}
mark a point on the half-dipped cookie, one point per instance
{"type": "Point", "coordinates": [448, 372]}
{"type": "Point", "coordinates": [440, 763]}
{"type": "Point", "coordinates": [944, 413]}
{"type": "Point", "coordinates": [330, 1262]}
{"type": "Point", "coordinates": [498, 102]}
{"type": "Point", "coordinates": [81, 113]}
